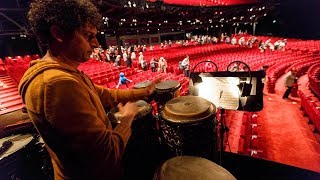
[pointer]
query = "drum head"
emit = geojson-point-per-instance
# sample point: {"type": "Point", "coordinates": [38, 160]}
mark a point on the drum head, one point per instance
{"type": "Point", "coordinates": [190, 167]}
{"type": "Point", "coordinates": [167, 85]}
{"type": "Point", "coordinates": [142, 84]}
{"type": "Point", "coordinates": [188, 109]}
{"type": "Point", "coordinates": [144, 109]}
{"type": "Point", "coordinates": [19, 141]}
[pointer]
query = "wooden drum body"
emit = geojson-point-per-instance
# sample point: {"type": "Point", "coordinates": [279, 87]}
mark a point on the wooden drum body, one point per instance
{"type": "Point", "coordinates": [188, 127]}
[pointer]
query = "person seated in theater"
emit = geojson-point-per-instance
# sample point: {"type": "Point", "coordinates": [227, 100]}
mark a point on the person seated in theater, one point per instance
{"type": "Point", "coordinates": [66, 107]}
{"type": "Point", "coordinates": [123, 80]}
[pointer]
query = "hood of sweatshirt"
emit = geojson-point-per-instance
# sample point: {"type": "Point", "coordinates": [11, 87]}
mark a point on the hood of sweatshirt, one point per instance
{"type": "Point", "coordinates": [37, 67]}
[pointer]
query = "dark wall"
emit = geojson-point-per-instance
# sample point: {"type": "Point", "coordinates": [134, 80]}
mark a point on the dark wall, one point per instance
{"type": "Point", "coordinates": [300, 19]}
{"type": "Point", "coordinates": [17, 47]}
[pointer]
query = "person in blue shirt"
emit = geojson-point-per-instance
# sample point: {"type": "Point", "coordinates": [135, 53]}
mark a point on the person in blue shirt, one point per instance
{"type": "Point", "coordinates": [123, 80]}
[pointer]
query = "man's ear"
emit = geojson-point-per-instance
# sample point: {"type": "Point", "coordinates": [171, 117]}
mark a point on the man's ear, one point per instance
{"type": "Point", "coordinates": [57, 33]}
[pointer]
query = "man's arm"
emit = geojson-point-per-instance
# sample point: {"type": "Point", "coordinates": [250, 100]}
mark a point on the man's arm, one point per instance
{"type": "Point", "coordinates": [71, 112]}
{"type": "Point", "coordinates": [112, 97]}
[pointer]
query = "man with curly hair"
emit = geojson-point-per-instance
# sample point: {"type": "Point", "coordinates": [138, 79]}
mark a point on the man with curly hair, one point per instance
{"type": "Point", "coordinates": [66, 107]}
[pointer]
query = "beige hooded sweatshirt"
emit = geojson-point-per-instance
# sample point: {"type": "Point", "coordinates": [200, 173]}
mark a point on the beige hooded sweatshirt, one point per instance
{"type": "Point", "coordinates": [69, 112]}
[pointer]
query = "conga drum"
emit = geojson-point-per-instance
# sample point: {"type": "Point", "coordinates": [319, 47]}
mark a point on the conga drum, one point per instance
{"type": "Point", "coordinates": [166, 90]}
{"type": "Point", "coordinates": [22, 158]}
{"type": "Point", "coordinates": [140, 157]}
{"type": "Point", "coordinates": [142, 124]}
{"type": "Point", "coordinates": [188, 127]}
{"type": "Point", "coordinates": [193, 168]}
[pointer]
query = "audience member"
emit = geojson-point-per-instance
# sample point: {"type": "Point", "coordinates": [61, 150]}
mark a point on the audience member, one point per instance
{"type": "Point", "coordinates": [289, 80]}
{"type": "Point", "coordinates": [162, 65]}
{"type": "Point", "coordinates": [153, 65]}
{"type": "Point", "coordinates": [185, 65]}
{"type": "Point", "coordinates": [123, 80]}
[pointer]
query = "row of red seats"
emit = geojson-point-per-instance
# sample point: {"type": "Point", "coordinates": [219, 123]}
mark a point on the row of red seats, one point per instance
{"type": "Point", "coordinates": [20, 59]}
{"type": "Point", "coordinates": [314, 78]}
{"type": "Point", "coordinates": [276, 71]}
{"type": "Point", "coordinates": [250, 140]}
{"type": "Point", "coordinates": [311, 106]}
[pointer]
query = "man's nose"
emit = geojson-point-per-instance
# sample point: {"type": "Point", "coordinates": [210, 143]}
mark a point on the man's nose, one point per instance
{"type": "Point", "coordinates": [94, 43]}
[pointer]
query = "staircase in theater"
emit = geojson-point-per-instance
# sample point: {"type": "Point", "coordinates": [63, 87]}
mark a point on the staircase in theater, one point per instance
{"type": "Point", "coordinates": [10, 100]}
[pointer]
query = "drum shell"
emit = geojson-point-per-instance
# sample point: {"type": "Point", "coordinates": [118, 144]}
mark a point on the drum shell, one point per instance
{"type": "Point", "coordinates": [162, 96]}
{"type": "Point", "coordinates": [188, 127]}
{"type": "Point", "coordinates": [194, 139]}
{"type": "Point", "coordinates": [141, 156]}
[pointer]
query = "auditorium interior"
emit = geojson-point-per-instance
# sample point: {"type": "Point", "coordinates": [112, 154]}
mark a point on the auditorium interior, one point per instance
{"type": "Point", "coordinates": [254, 43]}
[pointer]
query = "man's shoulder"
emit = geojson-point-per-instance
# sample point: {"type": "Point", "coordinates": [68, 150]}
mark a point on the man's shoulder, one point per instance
{"type": "Point", "coordinates": [52, 76]}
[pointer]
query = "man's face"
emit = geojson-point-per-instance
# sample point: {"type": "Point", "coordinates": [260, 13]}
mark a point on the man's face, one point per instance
{"type": "Point", "coordinates": [81, 43]}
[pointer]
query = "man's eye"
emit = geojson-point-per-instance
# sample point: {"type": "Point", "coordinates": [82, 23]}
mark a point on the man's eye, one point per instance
{"type": "Point", "coordinates": [90, 37]}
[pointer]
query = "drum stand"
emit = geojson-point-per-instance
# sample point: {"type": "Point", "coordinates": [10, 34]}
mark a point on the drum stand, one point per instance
{"type": "Point", "coordinates": [223, 129]}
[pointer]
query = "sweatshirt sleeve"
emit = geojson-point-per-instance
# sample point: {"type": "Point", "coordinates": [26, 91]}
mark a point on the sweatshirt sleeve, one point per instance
{"type": "Point", "coordinates": [70, 111]}
{"type": "Point", "coordinates": [111, 97]}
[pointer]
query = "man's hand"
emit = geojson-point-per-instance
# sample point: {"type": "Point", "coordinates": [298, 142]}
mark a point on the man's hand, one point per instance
{"type": "Point", "coordinates": [128, 112]}
{"type": "Point", "coordinates": [150, 89]}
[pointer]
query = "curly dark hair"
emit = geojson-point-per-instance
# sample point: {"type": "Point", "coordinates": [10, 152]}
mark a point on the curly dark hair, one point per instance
{"type": "Point", "coordinates": [67, 14]}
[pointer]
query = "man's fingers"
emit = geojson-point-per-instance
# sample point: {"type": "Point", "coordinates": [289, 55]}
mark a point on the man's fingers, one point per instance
{"type": "Point", "coordinates": [120, 106]}
{"type": "Point", "coordinates": [157, 80]}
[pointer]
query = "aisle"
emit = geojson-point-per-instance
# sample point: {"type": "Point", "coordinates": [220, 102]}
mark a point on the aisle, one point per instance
{"type": "Point", "coordinates": [286, 136]}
